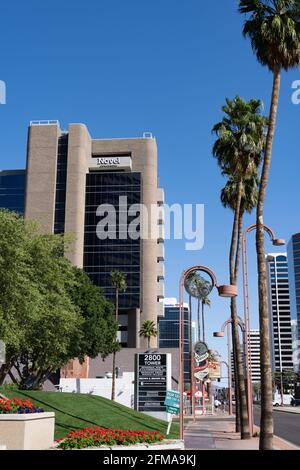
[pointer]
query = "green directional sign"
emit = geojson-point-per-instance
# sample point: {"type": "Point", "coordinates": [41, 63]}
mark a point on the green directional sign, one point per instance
{"type": "Point", "coordinates": [172, 402]}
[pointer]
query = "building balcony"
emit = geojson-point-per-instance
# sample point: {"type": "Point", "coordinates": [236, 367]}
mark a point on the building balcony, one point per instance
{"type": "Point", "coordinates": [160, 252]}
{"type": "Point", "coordinates": [160, 196]}
{"type": "Point", "coordinates": [160, 290]}
{"type": "Point", "coordinates": [160, 270]}
{"type": "Point", "coordinates": [160, 309]}
{"type": "Point", "coordinates": [161, 234]}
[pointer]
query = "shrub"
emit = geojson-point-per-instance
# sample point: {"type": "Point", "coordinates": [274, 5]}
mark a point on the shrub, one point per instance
{"type": "Point", "coordinates": [18, 406]}
{"type": "Point", "coordinates": [97, 436]}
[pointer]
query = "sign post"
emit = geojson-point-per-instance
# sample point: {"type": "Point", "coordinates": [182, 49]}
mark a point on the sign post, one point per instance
{"type": "Point", "coordinates": [152, 380]}
{"type": "Point", "coordinates": [172, 403]}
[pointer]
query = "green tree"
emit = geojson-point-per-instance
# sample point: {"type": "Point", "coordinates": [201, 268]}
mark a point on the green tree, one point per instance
{"type": "Point", "coordinates": [273, 27]}
{"type": "Point", "coordinates": [148, 330]}
{"type": "Point", "coordinates": [118, 280]}
{"type": "Point", "coordinates": [238, 150]}
{"type": "Point", "coordinates": [99, 329]}
{"type": "Point", "coordinates": [204, 302]}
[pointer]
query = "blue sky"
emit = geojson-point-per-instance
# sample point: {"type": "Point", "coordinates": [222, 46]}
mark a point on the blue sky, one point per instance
{"type": "Point", "coordinates": [128, 66]}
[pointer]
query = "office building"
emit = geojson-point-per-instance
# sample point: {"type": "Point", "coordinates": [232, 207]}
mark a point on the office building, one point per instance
{"type": "Point", "coordinates": [254, 351]}
{"type": "Point", "coordinates": [72, 181]}
{"type": "Point", "coordinates": [279, 312]}
{"type": "Point", "coordinates": [12, 190]}
{"type": "Point", "coordinates": [169, 331]}
{"type": "Point", "coordinates": [294, 280]}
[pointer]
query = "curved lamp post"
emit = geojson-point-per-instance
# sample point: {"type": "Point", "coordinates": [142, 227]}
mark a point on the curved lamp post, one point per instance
{"type": "Point", "coordinates": [220, 334]}
{"type": "Point", "coordinates": [276, 242]}
{"type": "Point", "coordinates": [227, 291]}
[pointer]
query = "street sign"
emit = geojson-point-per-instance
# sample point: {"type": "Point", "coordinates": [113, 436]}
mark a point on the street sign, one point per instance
{"type": "Point", "coordinates": [201, 351]}
{"type": "Point", "coordinates": [151, 382]}
{"type": "Point", "coordinates": [202, 366]}
{"type": "Point", "coordinates": [214, 370]}
{"type": "Point", "coordinates": [200, 375]}
{"type": "Point", "coordinates": [172, 399]}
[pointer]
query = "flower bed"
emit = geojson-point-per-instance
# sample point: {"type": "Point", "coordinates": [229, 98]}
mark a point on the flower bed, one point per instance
{"type": "Point", "coordinates": [97, 437]}
{"type": "Point", "coordinates": [16, 406]}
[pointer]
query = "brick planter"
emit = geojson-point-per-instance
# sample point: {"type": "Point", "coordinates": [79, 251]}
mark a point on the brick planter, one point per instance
{"type": "Point", "coordinates": [27, 431]}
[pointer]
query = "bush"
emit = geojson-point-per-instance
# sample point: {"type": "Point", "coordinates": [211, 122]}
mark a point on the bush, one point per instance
{"type": "Point", "coordinates": [97, 436]}
{"type": "Point", "coordinates": [18, 406]}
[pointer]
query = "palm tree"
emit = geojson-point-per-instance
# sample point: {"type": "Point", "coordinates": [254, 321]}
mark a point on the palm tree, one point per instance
{"type": "Point", "coordinates": [118, 280]}
{"type": "Point", "coordinates": [205, 301]}
{"type": "Point", "coordinates": [148, 331]}
{"type": "Point", "coordinates": [238, 149]}
{"type": "Point", "coordinates": [248, 203]}
{"type": "Point", "coordinates": [273, 27]}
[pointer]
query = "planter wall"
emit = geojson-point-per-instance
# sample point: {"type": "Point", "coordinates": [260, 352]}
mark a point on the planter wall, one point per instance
{"type": "Point", "coordinates": [27, 431]}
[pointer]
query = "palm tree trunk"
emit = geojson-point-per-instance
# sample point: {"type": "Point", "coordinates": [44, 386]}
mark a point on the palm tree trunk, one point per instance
{"type": "Point", "coordinates": [113, 387]}
{"type": "Point", "coordinates": [266, 422]}
{"type": "Point", "coordinates": [203, 326]}
{"type": "Point", "coordinates": [236, 388]}
{"type": "Point", "coordinates": [239, 378]}
{"type": "Point", "coordinates": [198, 321]}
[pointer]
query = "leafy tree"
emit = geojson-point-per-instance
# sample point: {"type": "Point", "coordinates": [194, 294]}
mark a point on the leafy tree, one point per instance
{"type": "Point", "coordinates": [273, 27]}
{"type": "Point", "coordinates": [50, 312]}
{"type": "Point", "coordinates": [238, 150]}
{"type": "Point", "coordinates": [118, 280]}
{"type": "Point", "coordinates": [148, 331]}
{"type": "Point", "coordinates": [99, 328]}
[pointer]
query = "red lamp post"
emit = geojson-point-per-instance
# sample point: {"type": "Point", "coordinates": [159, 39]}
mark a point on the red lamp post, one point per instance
{"type": "Point", "coordinates": [220, 334]}
{"type": "Point", "coordinates": [227, 291]}
{"type": "Point", "coordinates": [276, 242]}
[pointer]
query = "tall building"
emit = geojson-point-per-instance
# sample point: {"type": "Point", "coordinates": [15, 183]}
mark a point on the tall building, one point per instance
{"type": "Point", "coordinates": [254, 350]}
{"type": "Point", "coordinates": [294, 279]}
{"type": "Point", "coordinates": [75, 184]}
{"type": "Point", "coordinates": [169, 331]}
{"type": "Point", "coordinates": [12, 190]}
{"type": "Point", "coordinates": [279, 312]}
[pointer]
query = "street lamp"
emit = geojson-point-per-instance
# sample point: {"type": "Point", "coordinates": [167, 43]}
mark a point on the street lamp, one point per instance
{"type": "Point", "coordinates": [228, 291]}
{"type": "Point", "coordinates": [276, 242]}
{"type": "Point", "coordinates": [221, 334]}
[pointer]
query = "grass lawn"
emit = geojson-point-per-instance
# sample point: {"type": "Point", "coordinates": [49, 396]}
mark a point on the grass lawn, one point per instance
{"type": "Point", "coordinates": [76, 411]}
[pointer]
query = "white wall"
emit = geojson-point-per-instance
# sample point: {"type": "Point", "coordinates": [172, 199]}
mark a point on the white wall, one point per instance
{"type": "Point", "coordinates": [102, 387]}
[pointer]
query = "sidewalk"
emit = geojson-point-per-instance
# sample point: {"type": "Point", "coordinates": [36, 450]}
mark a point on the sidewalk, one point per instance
{"type": "Point", "coordinates": [218, 433]}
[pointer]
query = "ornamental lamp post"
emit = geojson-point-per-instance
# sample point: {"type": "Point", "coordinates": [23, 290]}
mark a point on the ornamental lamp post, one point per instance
{"type": "Point", "coordinates": [226, 291]}
{"type": "Point", "coordinates": [276, 242]}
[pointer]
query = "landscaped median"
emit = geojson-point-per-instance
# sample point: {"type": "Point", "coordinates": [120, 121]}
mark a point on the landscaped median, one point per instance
{"type": "Point", "coordinates": [95, 423]}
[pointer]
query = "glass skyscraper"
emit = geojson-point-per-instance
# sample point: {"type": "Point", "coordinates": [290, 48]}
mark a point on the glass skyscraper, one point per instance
{"type": "Point", "coordinates": [294, 279]}
{"type": "Point", "coordinates": [280, 312]}
{"type": "Point", "coordinates": [12, 190]}
{"type": "Point", "coordinates": [169, 332]}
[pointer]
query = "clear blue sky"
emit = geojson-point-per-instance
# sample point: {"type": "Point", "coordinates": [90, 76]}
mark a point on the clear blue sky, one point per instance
{"type": "Point", "coordinates": [128, 66]}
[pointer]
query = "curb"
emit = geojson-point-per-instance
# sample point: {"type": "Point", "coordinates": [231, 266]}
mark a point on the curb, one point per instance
{"type": "Point", "coordinates": [288, 443]}
{"type": "Point", "coordinates": [175, 444]}
{"type": "Point", "coordinates": [285, 410]}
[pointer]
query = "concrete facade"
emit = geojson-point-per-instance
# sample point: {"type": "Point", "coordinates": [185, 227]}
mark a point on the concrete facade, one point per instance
{"type": "Point", "coordinates": [41, 202]}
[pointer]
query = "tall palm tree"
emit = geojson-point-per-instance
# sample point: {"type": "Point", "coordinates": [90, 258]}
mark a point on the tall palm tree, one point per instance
{"type": "Point", "coordinates": [238, 149]}
{"type": "Point", "coordinates": [273, 27]}
{"type": "Point", "coordinates": [205, 301]}
{"type": "Point", "coordinates": [248, 203]}
{"type": "Point", "coordinates": [148, 331]}
{"type": "Point", "coordinates": [118, 280]}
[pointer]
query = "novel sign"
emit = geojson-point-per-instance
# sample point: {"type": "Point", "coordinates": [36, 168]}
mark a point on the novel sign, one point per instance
{"type": "Point", "coordinates": [110, 162]}
{"type": "Point", "coordinates": [153, 378]}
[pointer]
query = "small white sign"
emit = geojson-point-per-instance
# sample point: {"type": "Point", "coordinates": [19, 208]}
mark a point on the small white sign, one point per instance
{"type": "Point", "coordinates": [2, 352]}
{"type": "Point", "coordinates": [110, 162]}
{"type": "Point", "coordinates": [201, 375]}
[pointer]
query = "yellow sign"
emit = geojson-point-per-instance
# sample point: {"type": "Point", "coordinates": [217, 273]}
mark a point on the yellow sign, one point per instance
{"type": "Point", "coordinates": [214, 370]}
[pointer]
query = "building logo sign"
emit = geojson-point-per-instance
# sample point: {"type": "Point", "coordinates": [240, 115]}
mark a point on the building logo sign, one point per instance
{"type": "Point", "coordinates": [110, 162]}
